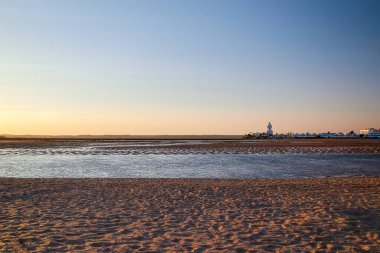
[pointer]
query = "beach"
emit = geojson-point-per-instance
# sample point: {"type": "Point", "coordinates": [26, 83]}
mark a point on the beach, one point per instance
{"type": "Point", "coordinates": [189, 126]}
{"type": "Point", "coordinates": [190, 215]}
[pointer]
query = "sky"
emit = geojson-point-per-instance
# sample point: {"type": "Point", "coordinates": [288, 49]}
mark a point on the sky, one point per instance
{"type": "Point", "coordinates": [188, 67]}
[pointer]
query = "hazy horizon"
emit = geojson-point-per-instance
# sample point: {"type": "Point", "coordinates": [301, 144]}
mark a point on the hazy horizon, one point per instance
{"type": "Point", "coordinates": [188, 67]}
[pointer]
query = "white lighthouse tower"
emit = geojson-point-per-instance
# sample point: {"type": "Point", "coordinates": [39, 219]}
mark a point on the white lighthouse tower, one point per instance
{"type": "Point", "coordinates": [269, 131]}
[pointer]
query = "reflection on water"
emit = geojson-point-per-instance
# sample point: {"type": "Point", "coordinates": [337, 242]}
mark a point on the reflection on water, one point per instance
{"type": "Point", "coordinates": [25, 164]}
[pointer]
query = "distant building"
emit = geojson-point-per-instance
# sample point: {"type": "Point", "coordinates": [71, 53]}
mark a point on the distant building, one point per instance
{"type": "Point", "coordinates": [328, 135]}
{"type": "Point", "coordinates": [373, 135]}
{"type": "Point", "coordinates": [269, 131]}
{"type": "Point", "coordinates": [351, 135]}
{"type": "Point", "coordinates": [368, 131]}
{"type": "Point", "coordinates": [338, 135]}
{"type": "Point", "coordinates": [305, 135]}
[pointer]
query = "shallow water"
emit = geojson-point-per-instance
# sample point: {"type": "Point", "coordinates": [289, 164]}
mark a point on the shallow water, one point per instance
{"type": "Point", "coordinates": [41, 163]}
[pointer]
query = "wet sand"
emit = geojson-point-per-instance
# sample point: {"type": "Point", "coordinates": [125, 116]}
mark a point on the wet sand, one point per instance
{"type": "Point", "coordinates": [173, 147]}
{"type": "Point", "coordinates": [190, 215]}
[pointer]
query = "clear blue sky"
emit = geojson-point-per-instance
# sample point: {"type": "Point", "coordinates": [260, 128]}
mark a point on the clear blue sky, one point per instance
{"type": "Point", "coordinates": [188, 67]}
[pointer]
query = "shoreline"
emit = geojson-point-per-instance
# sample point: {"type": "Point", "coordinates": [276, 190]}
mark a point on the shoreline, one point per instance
{"type": "Point", "coordinates": [190, 178]}
{"type": "Point", "coordinates": [192, 215]}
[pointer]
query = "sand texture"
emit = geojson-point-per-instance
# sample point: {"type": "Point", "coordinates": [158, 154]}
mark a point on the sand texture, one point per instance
{"type": "Point", "coordinates": [173, 147]}
{"type": "Point", "coordinates": [183, 215]}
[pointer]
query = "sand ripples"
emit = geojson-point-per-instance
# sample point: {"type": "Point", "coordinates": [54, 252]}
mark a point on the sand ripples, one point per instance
{"type": "Point", "coordinates": [126, 215]}
{"type": "Point", "coordinates": [190, 149]}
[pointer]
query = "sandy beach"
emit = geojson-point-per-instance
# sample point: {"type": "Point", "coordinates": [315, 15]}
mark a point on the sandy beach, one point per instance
{"type": "Point", "coordinates": [183, 215]}
{"type": "Point", "coordinates": [189, 126]}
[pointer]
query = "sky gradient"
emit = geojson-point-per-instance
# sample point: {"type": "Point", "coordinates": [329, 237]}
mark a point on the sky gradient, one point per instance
{"type": "Point", "coordinates": [188, 67]}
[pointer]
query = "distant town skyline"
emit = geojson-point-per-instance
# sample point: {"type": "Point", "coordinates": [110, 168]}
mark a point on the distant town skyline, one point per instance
{"type": "Point", "coordinates": [188, 67]}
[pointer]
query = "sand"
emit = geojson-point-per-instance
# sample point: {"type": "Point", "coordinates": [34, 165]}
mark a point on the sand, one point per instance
{"type": "Point", "coordinates": [183, 215]}
{"type": "Point", "coordinates": [173, 147]}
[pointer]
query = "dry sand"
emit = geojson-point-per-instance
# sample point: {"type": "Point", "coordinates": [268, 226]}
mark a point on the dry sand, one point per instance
{"type": "Point", "coordinates": [183, 215]}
